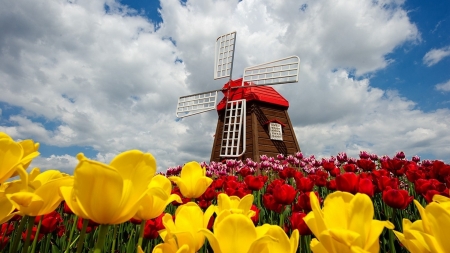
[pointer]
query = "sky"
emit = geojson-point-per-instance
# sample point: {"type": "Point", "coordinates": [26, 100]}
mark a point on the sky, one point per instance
{"type": "Point", "coordinates": [103, 76]}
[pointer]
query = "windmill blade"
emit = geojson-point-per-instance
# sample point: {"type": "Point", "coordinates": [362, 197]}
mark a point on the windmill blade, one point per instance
{"type": "Point", "coordinates": [233, 134]}
{"type": "Point", "coordinates": [224, 55]}
{"type": "Point", "coordinates": [196, 103]}
{"type": "Point", "coordinates": [275, 72]}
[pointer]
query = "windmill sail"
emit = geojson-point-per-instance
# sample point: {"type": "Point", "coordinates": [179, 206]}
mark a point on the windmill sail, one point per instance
{"type": "Point", "coordinates": [275, 72]}
{"type": "Point", "coordinates": [196, 103]}
{"type": "Point", "coordinates": [233, 134]}
{"type": "Point", "coordinates": [224, 55]}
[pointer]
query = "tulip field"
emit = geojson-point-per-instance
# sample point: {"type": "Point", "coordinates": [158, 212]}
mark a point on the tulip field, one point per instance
{"type": "Point", "coordinates": [282, 204]}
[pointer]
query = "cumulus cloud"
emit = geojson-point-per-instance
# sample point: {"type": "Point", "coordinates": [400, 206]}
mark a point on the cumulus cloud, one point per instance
{"type": "Point", "coordinates": [443, 86]}
{"type": "Point", "coordinates": [434, 56]}
{"type": "Point", "coordinates": [109, 79]}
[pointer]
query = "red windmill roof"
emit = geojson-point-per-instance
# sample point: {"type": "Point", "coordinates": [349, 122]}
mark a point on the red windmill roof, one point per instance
{"type": "Point", "coordinates": [265, 94]}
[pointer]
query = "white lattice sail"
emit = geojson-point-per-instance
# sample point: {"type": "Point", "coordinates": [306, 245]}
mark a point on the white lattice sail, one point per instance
{"type": "Point", "coordinates": [233, 134]}
{"type": "Point", "coordinates": [275, 72]}
{"type": "Point", "coordinates": [224, 55]}
{"type": "Point", "coordinates": [196, 103]}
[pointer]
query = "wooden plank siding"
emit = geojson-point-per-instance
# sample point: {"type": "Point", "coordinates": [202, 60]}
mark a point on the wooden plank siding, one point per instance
{"type": "Point", "coordinates": [258, 141]}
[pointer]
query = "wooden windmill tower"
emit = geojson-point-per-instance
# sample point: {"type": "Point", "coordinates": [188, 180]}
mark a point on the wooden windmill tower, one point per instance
{"type": "Point", "coordinates": [253, 118]}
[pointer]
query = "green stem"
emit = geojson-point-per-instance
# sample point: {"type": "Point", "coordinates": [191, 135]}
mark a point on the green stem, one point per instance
{"type": "Point", "coordinates": [29, 230]}
{"type": "Point", "coordinates": [36, 236]}
{"type": "Point", "coordinates": [141, 232]}
{"type": "Point", "coordinates": [72, 229]}
{"type": "Point", "coordinates": [113, 247]}
{"type": "Point", "coordinates": [103, 231]}
{"type": "Point", "coordinates": [18, 235]}
{"type": "Point", "coordinates": [82, 235]}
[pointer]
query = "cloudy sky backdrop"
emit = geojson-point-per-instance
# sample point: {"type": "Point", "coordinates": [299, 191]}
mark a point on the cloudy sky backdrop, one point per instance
{"type": "Point", "coordinates": [103, 76]}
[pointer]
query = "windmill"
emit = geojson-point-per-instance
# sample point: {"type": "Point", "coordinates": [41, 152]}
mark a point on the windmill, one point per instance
{"type": "Point", "coordinates": [253, 117]}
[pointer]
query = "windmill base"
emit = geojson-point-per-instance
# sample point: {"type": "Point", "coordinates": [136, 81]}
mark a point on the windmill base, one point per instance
{"type": "Point", "coordinates": [258, 141]}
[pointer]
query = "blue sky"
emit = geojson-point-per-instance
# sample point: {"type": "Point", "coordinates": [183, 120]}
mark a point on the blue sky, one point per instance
{"type": "Point", "coordinates": [103, 76]}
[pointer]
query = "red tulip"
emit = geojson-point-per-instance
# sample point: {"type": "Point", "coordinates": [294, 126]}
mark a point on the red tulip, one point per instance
{"type": "Point", "coordinates": [152, 227]}
{"type": "Point", "coordinates": [366, 186]}
{"type": "Point", "coordinates": [383, 182]}
{"type": "Point", "coordinates": [366, 165]}
{"type": "Point", "coordinates": [6, 229]}
{"type": "Point", "coordinates": [3, 241]}
{"type": "Point", "coordinates": [350, 168]}
{"type": "Point", "coordinates": [91, 225]}
{"type": "Point", "coordinates": [304, 184]}
{"type": "Point", "coordinates": [320, 178]}
{"type": "Point", "coordinates": [430, 194]}
{"type": "Point", "coordinates": [33, 234]}
{"type": "Point", "coordinates": [50, 222]}
{"type": "Point", "coordinates": [255, 183]}
{"type": "Point", "coordinates": [297, 222]}
{"type": "Point", "coordinates": [66, 209]}
{"type": "Point", "coordinates": [396, 198]}
{"type": "Point", "coordinates": [331, 185]}
{"type": "Point", "coordinates": [209, 194]}
{"type": "Point", "coordinates": [303, 202]}
{"type": "Point", "coordinates": [255, 218]}
{"type": "Point", "coordinates": [284, 194]}
{"type": "Point", "coordinates": [286, 173]}
{"type": "Point", "coordinates": [270, 203]}
{"type": "Point", "coordinates": [348, 182]}
{"type": "Point", "coordinates": [328, 166]}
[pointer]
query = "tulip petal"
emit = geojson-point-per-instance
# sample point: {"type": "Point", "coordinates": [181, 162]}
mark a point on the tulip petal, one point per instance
{"type": "Point", "coordinates": [314, 219]}
{"type": "Point", "coordinates": [69, 197]}
{"type": "Point", "coordinates": [295, 237]}
{"type": "Point", "coordinates": [283, 244]}
{"type": "Point", "coordinates": [136, 167]}
{"type": "Point", "coordinates": [317, 247]}
{"type": "Point", "coordinates": [200, 187]}
{"type": "Point", "coordinates": [49, 193]}
{"type": "Point", "coordinates": [27, 203]}
{"type": "Point", "coordinates": [361, 215]}
{"type": "Point", "coordinates": [213, 242]}
{"type": "Point", "coordinates": [439, 220]}
{"type": "Point", "coordinates": [162, 182]}
{"type": "Point", "coordinates": [6, 209]}
{"type": "Point", "coordinates": [193, 171]}
{"type": "Point", "coordinates": [98, 189]}
{"type": "Point", "coordinates": [246, 202]}
{"type": "Point", "coordinates": [235, 233]}
{"type": "Point", "coordinates": [10, 155]}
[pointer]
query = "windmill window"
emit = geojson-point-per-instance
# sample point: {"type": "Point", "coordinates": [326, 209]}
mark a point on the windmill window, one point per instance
{"type": "Point", "coordinates": [275, 131]}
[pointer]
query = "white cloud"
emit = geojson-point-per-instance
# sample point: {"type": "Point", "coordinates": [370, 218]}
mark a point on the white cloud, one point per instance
{"type": "Point", "coordinates": [443, 86]}
{"type": "Point", "coordinates": [436, 55]}
{"type": "Point", "coordinates": [64, 163]}
{"type": "Point", "coordinates": [110, 81]}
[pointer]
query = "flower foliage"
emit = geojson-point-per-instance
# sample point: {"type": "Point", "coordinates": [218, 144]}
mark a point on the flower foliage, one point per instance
{"type": "Point", "coordinates": [289, 203]}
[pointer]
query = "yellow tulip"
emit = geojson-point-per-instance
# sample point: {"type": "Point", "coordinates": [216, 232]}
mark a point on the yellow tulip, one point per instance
{"type": "Point", "coordinates": [6, 209]}
{"type": "Point", "coordinates": [169, 248]}
{"type": "Point", "coordinates": [152, 205]}
{"type": "Point", "coordinates": [36, 193]}
{"type": "Point", "coordinates": [431, 233]}
{"type": "Point", "coordinates": [189, 219]}
{"type": "Point", "coordinates": [345, 224]}
{"type": "Point", "coordinates": [193, 181]}
{"type": "Point", "coordinates": [235, 204]}
{"type": "Point", "coordinates": [236, 233]}
{"type": "Point", "coordinates": [13, 155]}
{"type": "Point", "coordinates": [282, 244]}
{"type": "Point", "coordinates": [111, 194]}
